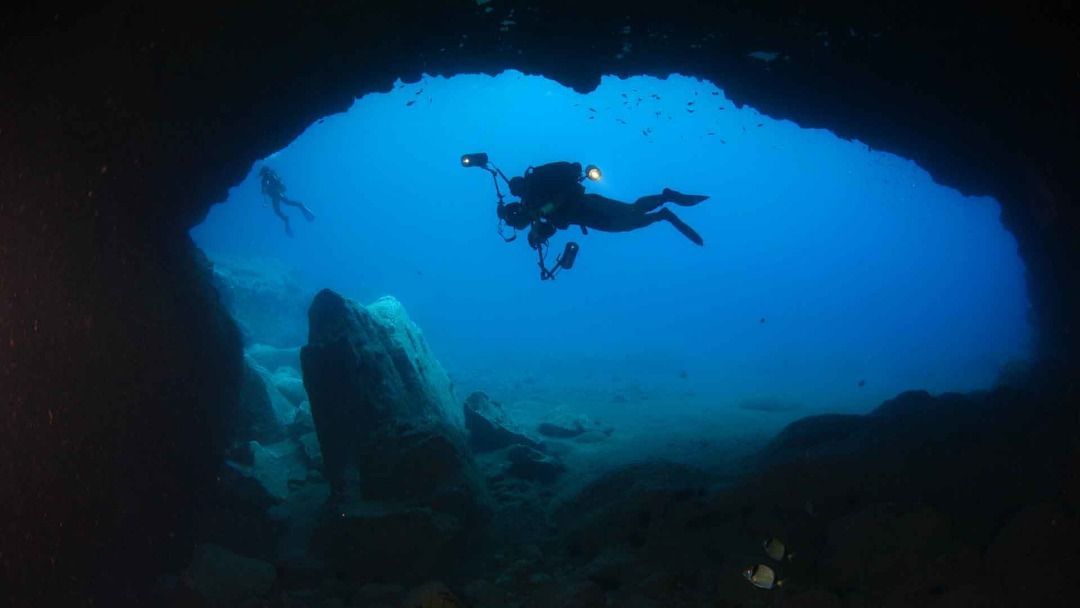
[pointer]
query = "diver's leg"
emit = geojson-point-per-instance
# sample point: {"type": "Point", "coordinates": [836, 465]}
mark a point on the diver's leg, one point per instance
{"type": "Point", "coordinates": [649, 203]}
{"type": "Point", "coordinates": [610, 215]}
{"type": "Point", "coordinates": [303, 208]}
{"type": "Point", "coordinates": [284, 218]}
{"type": "Point", "coordinates": [669, 216]}
{"type": "Point", "coordinates": [606, 215]}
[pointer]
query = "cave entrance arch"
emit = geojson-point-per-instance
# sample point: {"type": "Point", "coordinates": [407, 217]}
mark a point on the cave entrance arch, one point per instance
{"type": "Point", "coordinates": [834, 275]}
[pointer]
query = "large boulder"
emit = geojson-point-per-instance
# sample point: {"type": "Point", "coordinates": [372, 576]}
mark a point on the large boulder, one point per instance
{"type": "Point", "coordinates": [259, 414]}
{"type": "Point", "coordinates": [392, 439]}
{"type": "Point", "coordinates": [369, 373]}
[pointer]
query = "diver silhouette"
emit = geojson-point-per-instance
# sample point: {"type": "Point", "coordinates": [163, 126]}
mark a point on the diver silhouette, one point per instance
{"type": "Point", "coordinates": [274, 188]}
{"type": "Point", "coordinates": [552, 197]}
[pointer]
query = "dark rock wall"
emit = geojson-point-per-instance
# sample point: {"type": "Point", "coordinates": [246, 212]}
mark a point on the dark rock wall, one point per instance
{"type": "Point", "coordinates": [120, 124]}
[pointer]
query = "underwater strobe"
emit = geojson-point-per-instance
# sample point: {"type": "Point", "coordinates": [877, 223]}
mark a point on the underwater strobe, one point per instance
{"type": "Point", "coordinates": [564, 261]}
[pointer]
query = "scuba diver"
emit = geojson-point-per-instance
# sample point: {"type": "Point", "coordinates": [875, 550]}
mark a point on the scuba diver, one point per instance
{"type": "Point", "coordinates": [553, 198]}
{"type": "Point", "coordinates": [274, 188]}
{"type": "Point", "coordinates": [563, 202]}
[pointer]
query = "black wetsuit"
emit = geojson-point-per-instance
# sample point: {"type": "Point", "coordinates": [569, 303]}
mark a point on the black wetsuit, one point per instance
{"type": "Point", "coordinates": [608, 215]}
{"type": "Point", "coordinates": [552, 197]}
{"type": "Point", "coordinates": [273, 187]}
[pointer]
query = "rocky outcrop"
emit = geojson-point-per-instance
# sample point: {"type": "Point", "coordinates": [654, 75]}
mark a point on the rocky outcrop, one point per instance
{"type": "Point", "coordinates": [264, 412]}
{"type": "Point", "coordinates": [489, 427]}
{"type": "Point", "coordinates": [385, 414]}
{"type": "Point", "coordinates": [373, 383]}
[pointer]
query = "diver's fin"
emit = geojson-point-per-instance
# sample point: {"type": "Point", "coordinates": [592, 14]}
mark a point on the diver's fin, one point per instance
{"type": "Point", "coordinates": [682, 226]}
{"type": "Point", "coordinates": [307, 213]}
{"type": "Point", "coordinates": [288, 229]}
{"type": "Point", "coordinates": [685, 200]}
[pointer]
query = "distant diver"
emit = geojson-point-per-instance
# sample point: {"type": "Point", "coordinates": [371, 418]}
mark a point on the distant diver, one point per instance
{"type": "Point", "coordinates": [274, 189]}
{"type": "Point", "coordinates": [553, 198]}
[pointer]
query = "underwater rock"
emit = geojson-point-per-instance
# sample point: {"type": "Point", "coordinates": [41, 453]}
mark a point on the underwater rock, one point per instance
{"type": "Point", "coordinates": [489, 427]}
{"type": "Point", "coordinates": [530, 464]}
{"type": "Point", "coordinates": [236, 513]}
{"type": "Point", "coordinates": [288, 382]}
{"type": "Point", "coordinates": [274, 466]}
{"type": "Point", "coordinates": [367, 369]}
{"type": "Point", "coordinates": [621, 506]}
{"type": "Point", "coordinates": [273, 357]}
{"type": "Point", "coordinates": [303, 423]}
{"type": "Point", "coordinates": [265, 298]}
{"type": "Point", "coordinates": [224, 578]}
{"type": "Point", "coordinates": [384, 408]}
{"type": "Point", "coordinates": [284, 409]}
{"type": "Point", "coordinates": [820, 434]}
{"type": "Point", "coordinates": [885, 546]}
{"type": "Point", "coordinates": [310, 444]}
{"type": "Point", "coordinates": [260, 409]}
{"type": "Point", "coordinates": [423, 465]}
{"type": "Point", "coordinates": [366, 541]}
{"type": "Point", "coordinates": [567, 426]}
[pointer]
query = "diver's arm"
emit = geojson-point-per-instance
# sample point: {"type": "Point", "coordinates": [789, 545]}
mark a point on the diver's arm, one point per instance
{"type": "Point", "coordinates": [539, 232]}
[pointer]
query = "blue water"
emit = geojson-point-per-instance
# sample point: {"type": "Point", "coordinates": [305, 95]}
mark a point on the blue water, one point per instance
{"type": "Point", "coordinates": [826, 265]}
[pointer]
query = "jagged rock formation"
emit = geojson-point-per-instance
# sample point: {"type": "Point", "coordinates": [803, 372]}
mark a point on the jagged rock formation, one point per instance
{"type": "Point", "coordinates": [123, 124]}
{"type": "Point", "coordinates": [385, 411]}
{"type": "Point", "coordinates": [372, 381]}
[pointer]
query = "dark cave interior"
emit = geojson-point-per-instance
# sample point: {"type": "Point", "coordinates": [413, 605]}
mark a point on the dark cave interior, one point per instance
{"type": "Point", "coordinates": [124, 122]}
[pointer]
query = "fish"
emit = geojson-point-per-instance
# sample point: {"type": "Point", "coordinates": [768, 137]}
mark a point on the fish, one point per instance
{"type": "Point", "coordinates": [775, 549]}
{"type": "Point", "coordinates": [862, 383]}
{"type": "Point", "coordinates": [409, 103]}
{"type": "Point", "coordinates": [762, 577]}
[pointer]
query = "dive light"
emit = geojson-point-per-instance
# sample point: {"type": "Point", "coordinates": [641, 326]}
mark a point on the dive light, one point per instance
{"type": "Point", "coordinates": [593, 173]}
{"type": "Point", "coordinates": [569, 254]}
{"type": "Point", "coordinates": [478, 159]}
